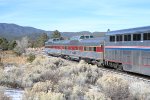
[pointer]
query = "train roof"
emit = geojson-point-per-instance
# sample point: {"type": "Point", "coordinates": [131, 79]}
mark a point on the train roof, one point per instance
{"type": "Point", "coordinates": [96, 39]}
{"type": "Point", "coordinates": [81, 37]}
{"type": "Point", "coordinates": [62, 42]}
{"type": "Point", "coordinates": [92, 41]}
{"type": "Point", "coordinates": [131, 30]}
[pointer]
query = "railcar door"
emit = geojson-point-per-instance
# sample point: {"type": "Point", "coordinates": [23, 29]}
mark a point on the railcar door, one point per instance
{"type": "Point", "coordinates": [136, 60]}
{"type": "Point", "coordinates": [145, 63]}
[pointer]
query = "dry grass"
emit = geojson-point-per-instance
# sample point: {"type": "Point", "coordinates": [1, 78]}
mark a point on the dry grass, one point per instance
{"type": "Point", "coordinates": [9, 57]}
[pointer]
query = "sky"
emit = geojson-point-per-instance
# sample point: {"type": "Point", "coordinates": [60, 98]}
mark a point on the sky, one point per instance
{"type": "Point", "coordinates": [76, 15]}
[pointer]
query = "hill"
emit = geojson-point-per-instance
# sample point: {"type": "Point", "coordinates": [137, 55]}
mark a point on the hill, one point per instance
{"type": "Point", "coordinates": [13, 31]}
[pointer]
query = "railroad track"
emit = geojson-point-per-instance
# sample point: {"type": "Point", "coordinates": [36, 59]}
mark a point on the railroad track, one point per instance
{"type": "Point", "coordinates": [128, 75]}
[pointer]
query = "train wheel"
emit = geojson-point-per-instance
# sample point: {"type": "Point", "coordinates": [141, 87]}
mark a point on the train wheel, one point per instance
{"type": "Point", "coordinates": [115, 65]}
{"type": "Point", "coordinates": [68, 58]}
{"type": "Point", "coordinates": [99, 65]}
{"type": "Point", "coordinates": [120, 68]}
{"type": "Point", "coordinates": [80, 59]}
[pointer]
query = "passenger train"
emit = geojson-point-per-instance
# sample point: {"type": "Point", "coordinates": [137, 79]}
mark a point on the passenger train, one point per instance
{"type": "Point", "coordinates": [127, 49]}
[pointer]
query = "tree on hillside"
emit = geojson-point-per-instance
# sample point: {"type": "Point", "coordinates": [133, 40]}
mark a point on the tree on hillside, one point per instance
{"type": "Point", "coordinates": [44, 37]}
{"type": "Point", "coordinates": [3, 43]}
{"type": "Point", "coordinates": [21, 45]}
{"type": "Point", "coordinates": [12, 45]}
{"type": "Point", "coordinates": [56, 34]}
{"type": "Point", "coordinates": [32, 43]}
{"type": "Point", "coordinates": [41, 40]}
{"type": "Point", "coordinates": [1, 40]}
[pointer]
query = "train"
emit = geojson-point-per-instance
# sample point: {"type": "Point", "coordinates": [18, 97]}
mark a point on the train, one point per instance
{"type": "Point", "coordinates": [126, 49]}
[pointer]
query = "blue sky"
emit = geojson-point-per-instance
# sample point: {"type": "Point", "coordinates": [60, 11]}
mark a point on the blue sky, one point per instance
{"type": "Point", "coordinates": [76, 15]}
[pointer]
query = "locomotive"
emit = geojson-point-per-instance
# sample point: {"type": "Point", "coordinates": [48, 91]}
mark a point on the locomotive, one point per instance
{"type": "Point", "coordinates": [127, 49]}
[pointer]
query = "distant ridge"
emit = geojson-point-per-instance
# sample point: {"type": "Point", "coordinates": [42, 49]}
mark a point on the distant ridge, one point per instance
{"type": "Point", "coordinates": [14, 31]}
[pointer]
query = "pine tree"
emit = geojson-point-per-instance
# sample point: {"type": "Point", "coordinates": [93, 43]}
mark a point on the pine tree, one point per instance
{"type": "Point", "coordinates": [3, 43]}
{"type": "Point", "coordinates": [41, 40]}
{"type": "Point", "coordinates": [56, 34]}
{"type": "Point", "coordinates": [12, 45]}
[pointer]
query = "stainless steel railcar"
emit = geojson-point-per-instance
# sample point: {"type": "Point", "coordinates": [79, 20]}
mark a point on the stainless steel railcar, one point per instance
{"type": "Point", "coordinates": [90, 49]}
{"type": "Point", "coordinates": [129, 49]}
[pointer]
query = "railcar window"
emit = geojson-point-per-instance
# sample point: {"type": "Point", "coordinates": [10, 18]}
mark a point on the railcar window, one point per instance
{"type": "Point", "coordinates": [87, 37]}
{"type": "Point", "coordinates": [112, 39]}
{"type": "Point", "coordinates": [119, 37]}
{"type": "Point", "coordinates": [91, 36]}
{"type": "Point", "coordinates": [82, 37]}
{"type": "Point", "coordinates": [136, 37]}
{"type": "Point", "coordinates": [146, 36]}
{"type": "Point", "coordinates": [127, 37]}
{"type": "Point", "coordinates": [85, 49]}
{"type": "Point", "coordinates": [94, 49]}
{"type": "Point", "coordinates": [89, 48]}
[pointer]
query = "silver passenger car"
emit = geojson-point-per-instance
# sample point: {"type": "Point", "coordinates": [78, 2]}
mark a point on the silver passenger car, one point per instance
{"type": "Point", "coordinates": [129, 49]}
{"type": "Point", "coordinates": [78, 47]}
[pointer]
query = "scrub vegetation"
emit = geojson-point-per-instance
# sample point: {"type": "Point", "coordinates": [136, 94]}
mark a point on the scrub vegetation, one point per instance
{"type": "Point", "coordinates": [52, 78]}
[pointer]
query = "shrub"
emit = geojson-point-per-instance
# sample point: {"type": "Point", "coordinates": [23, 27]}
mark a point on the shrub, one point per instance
{"type": "Point", "coordinates": [84, 73]}
{"type": "Point", "coordinates": [42, 86]}
{"type": "Point", "coordinates": [65, 86]}
{"type": "Point", "coordinates": [50, 96]}
{"type": "Point", "coordinates": [140, 91]}
{"type": "Point", "coordinates": [52, 75]}
{"type": "Point", "coordinates": [2, 73]}
{"type": "Point", "coordinates": [93, 74]}
{"type": "Point", "coordinates": [12, 77]}
{"type": "Point", "coordinates": [1, 63]}
{"type": "Point", "coordinates": [96, 96]}
{"type": "Point", "coordinates": [30, 58]}
{"type": "Point", "coordinates": [114, 86]}
{"type": "Point", "coordinates": [29, 95]}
